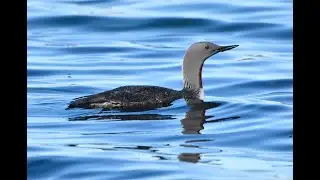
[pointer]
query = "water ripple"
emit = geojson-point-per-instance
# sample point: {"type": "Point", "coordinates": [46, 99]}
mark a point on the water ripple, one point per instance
{"type": "Point", "coordinates": [81, 47]}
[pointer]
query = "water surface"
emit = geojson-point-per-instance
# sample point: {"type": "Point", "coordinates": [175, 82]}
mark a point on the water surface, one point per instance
{"type": "Point", "coordinates": [81, 47]}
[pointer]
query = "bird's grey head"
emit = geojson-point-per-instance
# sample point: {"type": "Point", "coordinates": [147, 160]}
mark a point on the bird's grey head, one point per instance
{"type": "Point", "coordinates": [193, 61]}
{"type": "Point", "coordinates": [201, 51]}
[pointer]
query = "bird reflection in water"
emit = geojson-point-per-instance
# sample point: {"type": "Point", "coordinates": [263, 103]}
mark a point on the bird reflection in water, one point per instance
{"type": "Point", "coordinates": [189, 157]}
{"type": "Point", "coordinates": [193, 122]}
{"type": "Point", "coordinates": [195, 117]}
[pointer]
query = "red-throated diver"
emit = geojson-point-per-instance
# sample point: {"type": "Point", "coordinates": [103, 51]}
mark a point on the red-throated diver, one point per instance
{"type": "Point", "coordinates": [150, 97]}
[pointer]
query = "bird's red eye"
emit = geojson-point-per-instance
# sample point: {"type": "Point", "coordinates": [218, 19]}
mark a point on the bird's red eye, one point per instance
{"type": "Point", "coordinates": [207, 47]}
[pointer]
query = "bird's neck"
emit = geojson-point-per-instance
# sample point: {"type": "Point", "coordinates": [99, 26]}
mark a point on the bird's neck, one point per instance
{"type": "Point", "coordinates": [192, 77]}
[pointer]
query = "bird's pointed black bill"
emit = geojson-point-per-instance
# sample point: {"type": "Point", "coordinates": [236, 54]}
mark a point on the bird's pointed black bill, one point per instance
{"type": "Point", "coordinates": [226, 48]}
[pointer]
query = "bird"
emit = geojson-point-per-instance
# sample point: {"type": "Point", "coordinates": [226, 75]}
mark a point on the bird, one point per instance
{"type": "Point", "coordinates": [147, 97]}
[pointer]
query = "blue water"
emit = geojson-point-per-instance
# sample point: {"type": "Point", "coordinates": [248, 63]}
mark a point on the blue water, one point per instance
{"type": "Point", "coordinates": [82, 47]}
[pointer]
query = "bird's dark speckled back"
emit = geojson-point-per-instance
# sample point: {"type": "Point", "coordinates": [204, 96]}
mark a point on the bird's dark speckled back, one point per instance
{"type": "Point", "coordinates": [129, 97]}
